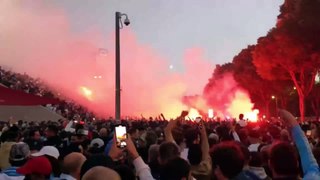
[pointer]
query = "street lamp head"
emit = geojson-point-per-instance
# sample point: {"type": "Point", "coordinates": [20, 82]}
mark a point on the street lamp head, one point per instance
{"type": "Point", "coordinates": [273, 97]}
{"type": "Point", "coordinates": [126, 21]}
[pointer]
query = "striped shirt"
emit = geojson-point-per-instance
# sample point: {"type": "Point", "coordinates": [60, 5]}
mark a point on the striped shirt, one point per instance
{"type": "Point", "coordinates": [11, 171]}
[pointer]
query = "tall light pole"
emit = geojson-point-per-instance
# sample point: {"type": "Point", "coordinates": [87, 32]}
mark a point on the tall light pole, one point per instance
{"type": "Point", "coordinates": [118, 88]}
{"type": "Point", "coordinates": [276, 99]}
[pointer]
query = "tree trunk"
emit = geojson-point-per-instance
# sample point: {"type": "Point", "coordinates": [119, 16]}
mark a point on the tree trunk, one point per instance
{"type": "Point", "coordinates": [315, 108]}
{"type": "Point", "coordinates": [283, 102]}
{"type": "Point", "coordinates": [267, 108]}
{"type": "Point", "coordinates": [301, 106]}
{"type": "Point", "coordinates": [317, 105]}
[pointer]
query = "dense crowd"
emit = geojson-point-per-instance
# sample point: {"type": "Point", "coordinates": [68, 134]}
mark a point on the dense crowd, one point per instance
{"type": "Point", "coordinates": [161, 149]}
{"type": "Point", "coordinates": [155, 148]}
{"type": "Point", "coordinates": [23, 82]}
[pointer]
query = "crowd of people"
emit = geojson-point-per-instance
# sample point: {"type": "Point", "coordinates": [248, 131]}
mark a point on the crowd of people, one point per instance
{"type": "Point", "coordinates": [23, 82]}
{"type": "Point", "coordinates": [157, 149]}
{"type": "Point", "coordinates": [160, 149]}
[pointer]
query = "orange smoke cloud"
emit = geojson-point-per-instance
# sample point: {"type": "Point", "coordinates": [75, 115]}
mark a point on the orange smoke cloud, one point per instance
{"type": "Point", "coordinates": [39, 41]}
{"type": "Point", "coordinates": [226, 98]}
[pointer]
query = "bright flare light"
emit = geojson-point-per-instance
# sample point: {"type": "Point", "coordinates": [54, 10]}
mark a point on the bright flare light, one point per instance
{"type": "Point", "coordinates": [86, 92]}
{"type": "Point", "coordinates": [252, 116]}
{"type": "Point", "coordinates": [317, 78]}
{"type": "Point", "coordinates": [193, 114]}
{"type": "Point", "coordinates": [210, 113]}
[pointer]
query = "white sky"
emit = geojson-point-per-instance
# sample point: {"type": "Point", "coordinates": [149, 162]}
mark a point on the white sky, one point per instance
{"type": "Point", "coordinates": [221, 27]}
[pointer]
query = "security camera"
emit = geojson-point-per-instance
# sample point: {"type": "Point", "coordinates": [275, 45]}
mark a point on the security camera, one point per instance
{"type": "Point", "coordinates": [126, 22]}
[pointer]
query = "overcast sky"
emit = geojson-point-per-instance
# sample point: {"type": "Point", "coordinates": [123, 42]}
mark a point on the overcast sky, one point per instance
{"type": "Point", "coordinates": [221, 27]}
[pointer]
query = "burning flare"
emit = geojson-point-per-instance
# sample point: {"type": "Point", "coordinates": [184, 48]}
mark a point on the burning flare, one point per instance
{"type": "Point", "coordinates": [86, 92]}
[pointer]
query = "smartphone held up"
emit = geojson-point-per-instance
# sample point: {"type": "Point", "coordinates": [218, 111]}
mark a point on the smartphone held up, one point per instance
{"type": "Point", "coordinates": [121, 136]}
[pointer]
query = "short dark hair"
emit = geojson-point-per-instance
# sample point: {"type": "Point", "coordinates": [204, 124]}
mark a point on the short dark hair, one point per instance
{"type": "Point", "coordinates": [151, 138]}
{"type": "Point", "coordinates": [32, 132]}
{"type": "Point", "coordinates": [284, 159]}
{"type": "Point", "coordinates": [167, 151]}
{"type": "Point", "coordinates": [96, 160]}
{"type": "Point", "coordinates": [241, 116]}
{"type": "Point", "coordinates": [274, 132]}
{"type": "Point", "coordinates": [223, 133]}
{"type": "Point", "coordinates": [194, 154]}
{"type": "Point", "coordinates": [53, 128]}
{"type": "Point", "coordinates": [191, 135]}
{"type": "Point", "coordinates": [175, 169]}
{"type": "Point", "coordinates": [229, 157]}
{"type": "Point", "coordinates": [9, 136]}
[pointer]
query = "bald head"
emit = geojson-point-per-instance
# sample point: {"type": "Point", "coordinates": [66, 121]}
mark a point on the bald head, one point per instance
{"type": "Point", "coordinates": [103, 132]}
{"type": "Point", "coordinates": [101, 173]}
{"type": "Point", "coordinates": [72, 164]}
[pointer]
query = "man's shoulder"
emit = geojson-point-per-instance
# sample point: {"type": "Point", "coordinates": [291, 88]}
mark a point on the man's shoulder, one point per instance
{"type": "Point", "coordinates": [11, 172]}
{"type": "Point", "coordinates": [6, 177]}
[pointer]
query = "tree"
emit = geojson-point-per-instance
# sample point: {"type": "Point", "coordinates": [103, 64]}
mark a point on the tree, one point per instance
{"type": "Point", "coordinates": [281, 57]}
{"type": "Point", "coordinates": [246, 76]}
{"type": "Point", "coordinates": [292, 49]}
{"type": "Point", "coordinates": [315, 100]}
{"type": "Point", "coordinates": [260, 90]}
{"type": "Point", "coordinates": [218, 73]}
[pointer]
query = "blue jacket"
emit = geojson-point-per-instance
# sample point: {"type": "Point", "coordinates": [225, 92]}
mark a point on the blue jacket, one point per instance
{"type": "Point", "coordinates": [310, 166]}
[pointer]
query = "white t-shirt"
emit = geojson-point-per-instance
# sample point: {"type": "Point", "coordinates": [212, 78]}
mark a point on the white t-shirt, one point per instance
{"type": "Point", "coordinates": [184, 154]}
{"type": "Point", "coordinates": [242, 123]}
{"type": "Point", "coordinates": [254, 147]}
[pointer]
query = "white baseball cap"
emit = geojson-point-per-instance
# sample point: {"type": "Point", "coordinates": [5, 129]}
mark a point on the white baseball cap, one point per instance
{"type": "Point", "coordinates": [98, 142]}
{"type": "Point", "coordinates": [214, 136]}
{"type": "Point", "coordinates": [47, 150]}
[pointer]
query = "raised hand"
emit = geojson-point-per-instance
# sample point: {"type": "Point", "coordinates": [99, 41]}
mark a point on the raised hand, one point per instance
{"type": "Point", "coordinates": [115, 153]}
{"type": "Point", "coordinates": [287, 117]}
{"type": "Point", "coordinates": [131, 148]}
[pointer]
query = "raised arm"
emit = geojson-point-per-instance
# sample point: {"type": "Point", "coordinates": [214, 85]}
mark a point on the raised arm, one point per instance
{"type": "Point", "coordinates": [142, 169]}
{"type": "Point", "coordinates": [204, 142]}
{"type": "Point", "coordinates": [309, 163]}
{"type": "Point", "coordinates": [168, 131]}
{"type": "Point", "coordinates": [171, 125]}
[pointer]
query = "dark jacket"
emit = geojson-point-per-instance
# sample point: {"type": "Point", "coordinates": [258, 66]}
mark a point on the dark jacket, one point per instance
{"type": "Point", "coordinates": [53, 141]}
{"type": "Point", "coordinates": [33, 144]}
